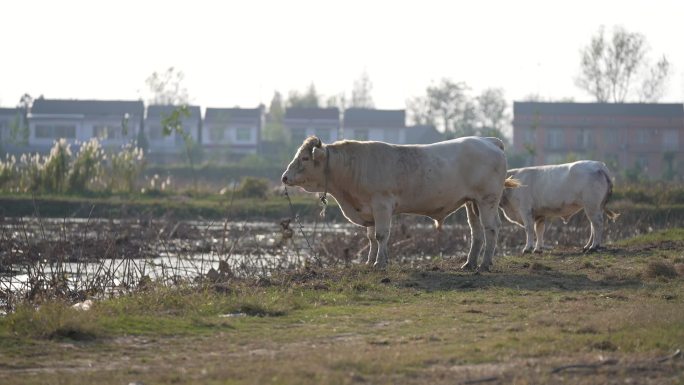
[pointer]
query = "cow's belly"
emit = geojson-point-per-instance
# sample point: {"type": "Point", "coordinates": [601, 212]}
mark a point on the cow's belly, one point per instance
{"type": "Point", "coordinates": [362, 215]}
{"type": "Point", "coordinates": [566, 210]}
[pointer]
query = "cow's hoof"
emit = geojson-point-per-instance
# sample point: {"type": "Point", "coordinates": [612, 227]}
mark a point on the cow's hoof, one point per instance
{"type": "Point", "coordinates": [538, 251]}
{"type": "Point", "coordinates": [379, 265]}
{"type": "Point", "coordinates": [468, 266]}
{"type": "Point", "coordinates": [484, 268]}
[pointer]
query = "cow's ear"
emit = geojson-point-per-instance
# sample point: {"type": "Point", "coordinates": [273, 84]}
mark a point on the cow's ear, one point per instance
{"type": "Point", "coordinates": [318, 154]}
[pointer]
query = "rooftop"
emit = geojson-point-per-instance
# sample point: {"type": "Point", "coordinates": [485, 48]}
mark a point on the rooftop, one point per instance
{"type": "Point", "coordinates": [87, 107]}
{"type": "Point", "coordinates": [366, 117]}
{"type": "Point", "coordinates": [313, 113]}
{"type": "Point", "coordinates": [599, 109]}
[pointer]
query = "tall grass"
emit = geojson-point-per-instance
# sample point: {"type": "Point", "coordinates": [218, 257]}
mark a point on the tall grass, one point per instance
{"type": "Point", "coordinates": [62, 171]}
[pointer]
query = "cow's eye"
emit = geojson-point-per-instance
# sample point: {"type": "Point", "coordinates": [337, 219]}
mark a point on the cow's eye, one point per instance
{"type": "Point", "coordinates": [305, 159]}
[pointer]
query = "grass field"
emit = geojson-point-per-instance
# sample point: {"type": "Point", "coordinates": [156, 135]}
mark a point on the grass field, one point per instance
{"type": "Point", "coordinates": [562, 317]}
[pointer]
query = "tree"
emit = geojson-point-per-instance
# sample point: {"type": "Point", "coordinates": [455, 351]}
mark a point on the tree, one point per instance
{"type": "Point", "coordinates": [418, 111]}
{"type": "Point", "coordinates": [167, 88]}
{"type": "Point", "coordinates": [19, 130]}
{"type": "Point", "coordinates": [492, 112]}
{"type": "Point", "coordinates": [310, 99]}
{"type": "Point", "coordinates": [273, 129]}
{"type": "Point", "coordinates": [361, 93]}
{"type": "Point", "coordinates": [610, 67]}
{"type": "Point", "coordinates": [653, 86]}
{"type": "Point", "coordinates": [446, 102]}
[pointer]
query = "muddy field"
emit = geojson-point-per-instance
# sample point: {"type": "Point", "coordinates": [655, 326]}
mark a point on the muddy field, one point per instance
{"type": "Point", "coordinates": [77, 258]}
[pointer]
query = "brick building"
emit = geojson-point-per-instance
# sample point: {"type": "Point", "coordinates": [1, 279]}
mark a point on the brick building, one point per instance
{"type": "Point", "coordinates": [641, 136]}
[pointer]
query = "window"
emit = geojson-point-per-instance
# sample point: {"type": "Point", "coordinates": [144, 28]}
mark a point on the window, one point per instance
{"type": "Point", "coordinates": [243, 134]}
{"type": "Point", "coordinates": [554, 138]}
{"type": "Point", "coordinates": [155, 133]}
{"type": "Point", "coordinates": [391, 136]}
{"type": "Point", "coordinates": [584, 138]}
{"type": "Point", "coordinates": [670, 140]}
{"type": "Point", "coordinates": [68, 132]}
{"type": "Point", "coordinates": [217, 133]}
{"type": "Point", "coordinates": [107, 132]}
{"type": "Point", "coordinates": [323, 134]}
{"type": "Point", "coordinates": [360, 134]}
{"type": "Point", "coordinates": [643, 136]}
{"type": "Point", "coordinates": [44, 132]}
{"type": "Point", "coordinates": [55, 132]}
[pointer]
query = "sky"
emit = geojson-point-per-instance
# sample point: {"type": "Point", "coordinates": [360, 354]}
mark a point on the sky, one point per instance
{"type": "Point", "coordinates": [237, 53]}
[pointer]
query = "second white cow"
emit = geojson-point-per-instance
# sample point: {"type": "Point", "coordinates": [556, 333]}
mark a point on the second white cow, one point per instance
{"type": "Point", "coordinates": [559, 191]}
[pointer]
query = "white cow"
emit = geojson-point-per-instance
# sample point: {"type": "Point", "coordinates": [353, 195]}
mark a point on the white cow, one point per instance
{"type": "Point", "coordinates": [371, 181]}
{"type": "Point", "coordinates": [559, 191]}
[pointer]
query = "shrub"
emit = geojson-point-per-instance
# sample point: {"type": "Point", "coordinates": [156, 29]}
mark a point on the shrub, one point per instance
{"type": "Point", "coordinates": [251, 187]}
{"type": "Point", "coordinates": [87, 166]}
{"type": "Point", "coordinates": [7, 170]}
{"type": "Point", "coordinates": [126, 167]}
{"type": "Point", "coordinates": [56, 167]}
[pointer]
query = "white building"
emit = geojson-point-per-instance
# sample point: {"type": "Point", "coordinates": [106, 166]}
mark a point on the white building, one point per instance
{"type": "Point", "coordinates": [301, 123]}
{"type": "Point", "coordinates": [114, 122]}
{"type": "Point", "coordinates": [229, 133]}
{"type": "Point", "coordinates": [371, 124]}
{"type": "Point", "coordinates": [172, 144]}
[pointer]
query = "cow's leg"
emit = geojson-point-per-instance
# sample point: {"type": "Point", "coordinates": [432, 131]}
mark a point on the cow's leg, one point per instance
{"type": "Point", "coordinates": [382, 215]}
{"type": "Point", "coordinates": [591, 237]}
{"type": "Point", "coordinates": [596, 219]}
{"type": "Point", "coordinates": [539, 226]}
{"type": "Point", "coordinates": [489, 215]}
{"type": "Point", "coordinates": [528, 222]}
{"type": "Point", "coordinates": [476, 237]}
{"type": "Point", "coordinates": [373, 245]}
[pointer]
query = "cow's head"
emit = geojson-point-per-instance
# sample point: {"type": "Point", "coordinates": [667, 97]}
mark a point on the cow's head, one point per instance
{"type": "Point", "coordinates": [307, 169]}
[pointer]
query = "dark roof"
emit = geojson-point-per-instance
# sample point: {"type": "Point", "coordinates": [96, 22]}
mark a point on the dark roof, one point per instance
{"type": "Point", "coordinates": [423, 134]}
{"type": "Point", "coordinates": [157, 110]}
{"type": "Point", "coordinates": [332, 113]}
{"type": "Point", "coordinates": [365, 117]}
{"type": "Point", "coordinates": [8, 111]}
{"type": "Point", "coordinates": [87, 107]}
{"type": "Point", "coordinates": [599, 109]}
{"type": "Point", "coordinates": [234, 113]}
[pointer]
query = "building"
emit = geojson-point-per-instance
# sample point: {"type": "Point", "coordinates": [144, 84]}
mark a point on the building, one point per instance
{"type": "Point", "coordinates": [646, 137]}
{"type": "Point", "coordinates": [371, 124]}
{"type": "Point", "coordinates": [422, 134]}
{"type": "Point", "coordinates": [170, 146]}
{"type": "Point", "coordinates": [114, 122]}
{"type": "Point", "coordinates": [300, 123]}
{"type": "Point", "coordinates": [230, 133]}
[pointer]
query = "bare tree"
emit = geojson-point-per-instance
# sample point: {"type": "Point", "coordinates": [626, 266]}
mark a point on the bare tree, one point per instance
{"type": "Point", "coordinates": [492, 112]}
{"type": "Point", "coordinates": [446, 102]}
{"type": "Point", "coordinates": [361, 93]}
{"type": "Point", "coordinates": [418, 111]}
{"type": "Point", "coordinates": [653, 86]}
{"type": "Point", "coordinates": [609, 67]}
{"type": "Point", "coordinates": [167, 88]}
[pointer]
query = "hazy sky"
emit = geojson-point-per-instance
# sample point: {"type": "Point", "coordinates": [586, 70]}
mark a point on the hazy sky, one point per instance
{"type": "Point", "coordinates": [239, 52]}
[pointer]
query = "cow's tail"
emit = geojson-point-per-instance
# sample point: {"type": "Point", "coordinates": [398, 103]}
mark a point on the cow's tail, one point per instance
{"type": "Point", "coordinates": [511, 182]}
{"type": "Point", "coordinates": [612, 215]}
